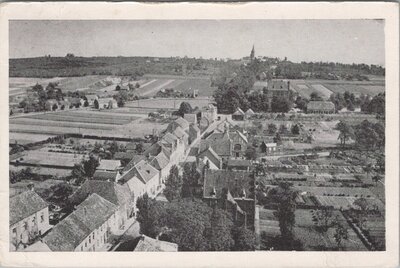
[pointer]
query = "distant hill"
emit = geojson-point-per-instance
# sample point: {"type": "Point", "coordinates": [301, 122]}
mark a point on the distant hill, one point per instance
{"type": "Point", "coordinates": [47, 67]}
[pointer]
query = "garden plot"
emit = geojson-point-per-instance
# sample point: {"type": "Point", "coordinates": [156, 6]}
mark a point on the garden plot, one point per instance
{"type": "Point", "coordinates": [344, 202]}
{"type": "Point", "coordinates": [346, 191]}
{"type": "Point", "coordinates": [203, 86]}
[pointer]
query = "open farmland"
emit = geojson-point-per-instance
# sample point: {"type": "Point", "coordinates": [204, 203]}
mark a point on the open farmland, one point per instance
{"type": "Point", "coordinates": [164, 103]}
{"type": "Point", "coordinates": [326, 87]}
{"type": "Point", "coordinates": [151, 84]}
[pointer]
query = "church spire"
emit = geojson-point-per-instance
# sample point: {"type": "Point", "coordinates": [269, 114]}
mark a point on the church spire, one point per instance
{"type": "Point", "coordinates": [252, 53]}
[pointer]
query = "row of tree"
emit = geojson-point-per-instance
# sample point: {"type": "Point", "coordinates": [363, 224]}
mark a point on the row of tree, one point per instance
{"type": "Point", "coordinates": [367, 135]}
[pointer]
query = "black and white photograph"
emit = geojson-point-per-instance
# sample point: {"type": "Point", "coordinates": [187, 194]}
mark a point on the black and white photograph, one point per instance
{"type": "Point", "coordinates": [199, 135]}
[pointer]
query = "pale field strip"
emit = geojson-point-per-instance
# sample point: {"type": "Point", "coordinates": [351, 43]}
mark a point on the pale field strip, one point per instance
{"type": "Point", "coordinates": [50, 158]}
{"type": "Point", "coordinates": [45, 123]}
{"type": "Point", "coordinates": [157, 88]}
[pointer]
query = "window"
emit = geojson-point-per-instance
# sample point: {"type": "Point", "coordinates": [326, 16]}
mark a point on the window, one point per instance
{"type": "Point", "coordinates": [85, 244]}
{"type": "Point", "coordinates": [81, 248]}
{"type": "Point", "coordinates": [14, 232]}
{"type": "Point", "coordinates": [93, 236]}
{"type": "Point", "coordinates": [42, 217]}
{"type": "Point", "coordinates": [90, 240]}
{"type": "Point", "coordinates": [26, 225]}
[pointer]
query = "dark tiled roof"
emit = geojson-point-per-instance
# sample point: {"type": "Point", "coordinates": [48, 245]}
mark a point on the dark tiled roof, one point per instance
{"type": "Point", "coordinates": [135, 159]}
{"type": "Point", "coordinates": [87, 217]}
{"type": "Point", "coordinates": [124, 155]}
{"type": "Point", "coordinates": [160, 161]}
{"type": "Point", "coordinates": [321, 105]}
{"type": "Point", "coordinates": [111, 191]}
{"type": "Point", "coordinates": [145, 171]}
{"type": "Point", "coordinates": [221, 147]}
{"type": "Point", "coordinates": [212, 156]}
{"type": "Point", "coordinates": [105, 175]}
{"type": "Point", "coordinates": [234, 181]}
{"type": "Point", "coordinates": [24, 205]}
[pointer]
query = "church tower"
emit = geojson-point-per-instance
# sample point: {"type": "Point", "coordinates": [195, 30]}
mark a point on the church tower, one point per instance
{"type": "Point", "coordinates": [252, 53]}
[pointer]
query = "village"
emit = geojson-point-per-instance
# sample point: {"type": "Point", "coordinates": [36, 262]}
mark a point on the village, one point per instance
{"type": "Point", "coordinates": [268, 163]}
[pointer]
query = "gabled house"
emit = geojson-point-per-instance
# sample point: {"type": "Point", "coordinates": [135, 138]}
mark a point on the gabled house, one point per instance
{"type": "Point", "coordinates": [210, 158]}
{"type": "Point", "coordinates": [117, 194]}
{"type": "Point", "coordinates": [87, 228]}
{"type": "Point", "coordinates": [29, 219]}
{"type": "Point", "coordinates": [148, 175]}
{"type": "Point", "coordinates": [249, 113]}
{"type": "Point", "coordinates": [228, 144]}
{"type": "Point", "coordinates": [268, 147]}
{"type": "Point", "coordinates": [238, 115]}
{"type": "Point", "coordinates": [162, 164]}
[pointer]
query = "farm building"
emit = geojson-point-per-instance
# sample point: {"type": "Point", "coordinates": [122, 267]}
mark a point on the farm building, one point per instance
{"type": "Point", "coordinates": [320, 107]}
{"type": "Point", "coordinates": [29, 219]}
{"type": "Point", "coordinates": [91, 99]}
{"type": "Point", "coordinates": [107, 103]}
{"type": "Point", "coordinates": [249, 113]}
{"type": "Point", "coordinates": [268, 147]}
{"type": "Point", "coordinates": [238, 115]}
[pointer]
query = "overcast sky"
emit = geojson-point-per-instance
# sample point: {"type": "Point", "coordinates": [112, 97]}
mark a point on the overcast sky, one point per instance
{"type": "Point", "coordinates": [347, 41]}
